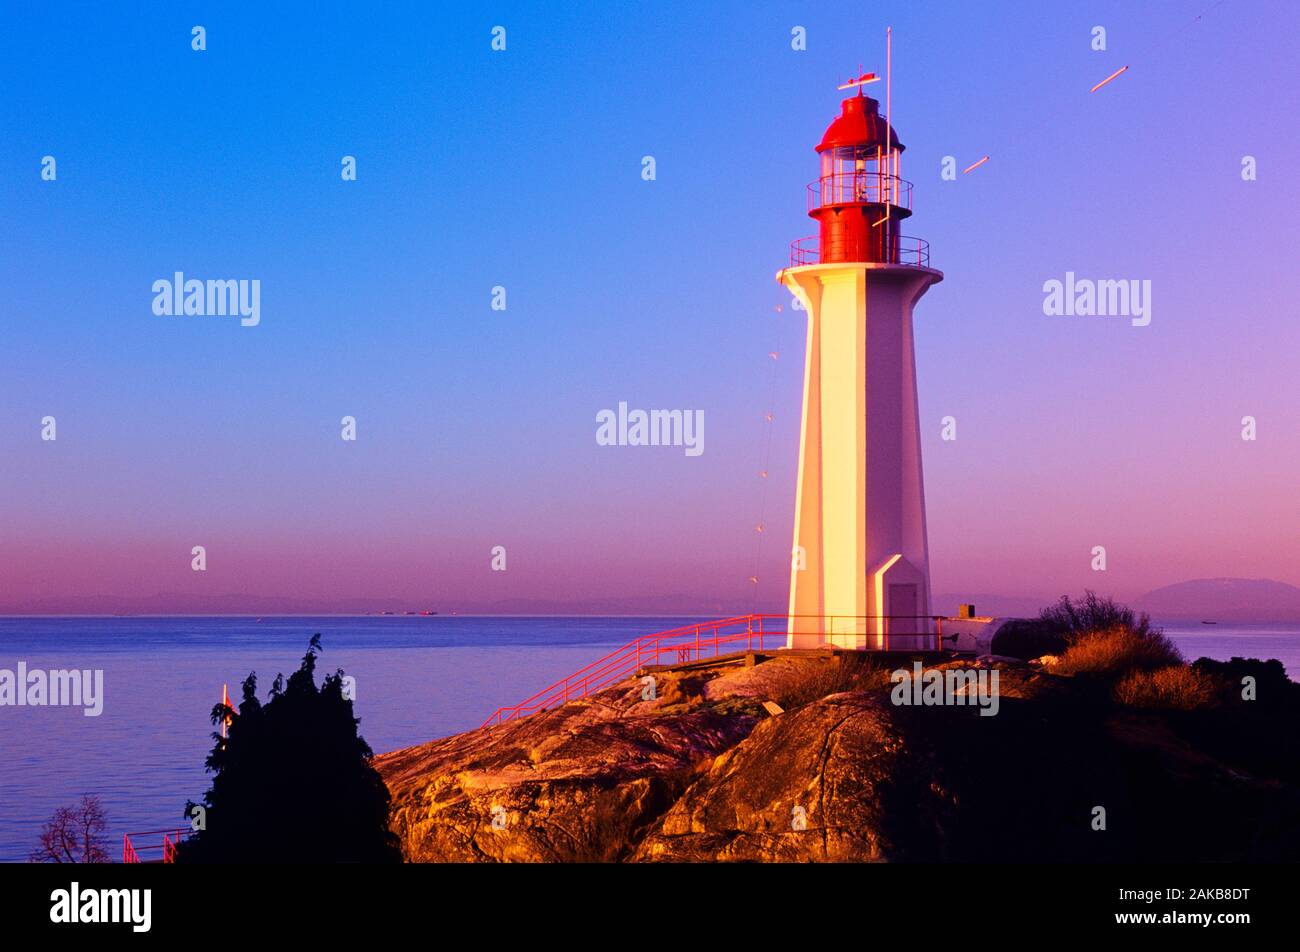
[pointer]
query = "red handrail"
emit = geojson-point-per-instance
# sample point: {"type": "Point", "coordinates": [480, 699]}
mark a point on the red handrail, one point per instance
{"type": "Point", "coordinates": [171, 839]}
{"type": "Point", "coordinates": [906, 250]}
{"type": "Point", "coordinates": [687, 643]}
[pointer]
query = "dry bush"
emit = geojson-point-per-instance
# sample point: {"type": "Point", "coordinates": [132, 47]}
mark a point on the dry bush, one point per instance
{"type": "Point", "coordinates": [1060, 625]}
{"type": "Point", "coordinates": [1117, 651]}
{"type": "Point", "coordinates": [811, 679]}
{"type": "Point", "coordinates": [1082, 616]}
{"type": "Point", "coordinates": [685, 689]}
{"type": "Point", "coordinates": [1175, 688]}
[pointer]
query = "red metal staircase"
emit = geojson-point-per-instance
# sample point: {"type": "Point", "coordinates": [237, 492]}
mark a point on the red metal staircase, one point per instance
{"type": "Point", "coordinates": [708, 639]}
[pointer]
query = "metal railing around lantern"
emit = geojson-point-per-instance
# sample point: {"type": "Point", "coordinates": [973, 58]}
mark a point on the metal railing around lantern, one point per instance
{"type": "Point", "coordinates": [914, 252]}
{"type": "Point", "coordinates": [860, 186]}
{"type": "Point", "coordinates": [696, 642]}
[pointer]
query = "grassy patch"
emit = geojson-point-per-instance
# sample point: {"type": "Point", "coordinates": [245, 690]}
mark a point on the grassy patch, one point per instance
{"type": "Point", "coordinates": [1175, 688]}
{"type": "Point", "coordinates": [815, 678]}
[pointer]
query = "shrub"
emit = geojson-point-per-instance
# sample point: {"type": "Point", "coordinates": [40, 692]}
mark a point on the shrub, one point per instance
{"type": "Point", "coordinates": [1060, 625]}
{"type": "Point", "coordinates": [293, 780]}
{"type": "Point", "coordinates": [1259, 730]}
{"type": "Point", "coordinates": [1273, 689]}
{"type": "Point", "coordinates": [811, 679]}
{"type": "Point", "coordinates": [1117, 651]}
{"type": "Point", "coordinates": [682, 689]}
{"type": "Point", "coordinates": [1027, 638]}
{"type": "Point", "coordinates": [1175, 688]}
{"type": "Point", "coordinates": [1092, 613]}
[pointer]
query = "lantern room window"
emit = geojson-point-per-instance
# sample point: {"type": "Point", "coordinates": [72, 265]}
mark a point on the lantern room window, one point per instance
{"type": "Point", "coordinates": [858, 175]}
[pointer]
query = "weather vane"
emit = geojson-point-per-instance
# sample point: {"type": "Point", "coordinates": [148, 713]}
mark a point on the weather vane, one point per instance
{"type": "Point", "coordinates": [862, 80]}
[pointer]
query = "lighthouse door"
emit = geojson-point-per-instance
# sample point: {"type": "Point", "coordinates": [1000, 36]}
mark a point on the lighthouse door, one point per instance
{"type": "Point", "coordinates": [902, 612]}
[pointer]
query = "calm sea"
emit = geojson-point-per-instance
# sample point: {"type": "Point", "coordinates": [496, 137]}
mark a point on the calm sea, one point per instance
{"type": "Point", "coordinates": [417, 678]}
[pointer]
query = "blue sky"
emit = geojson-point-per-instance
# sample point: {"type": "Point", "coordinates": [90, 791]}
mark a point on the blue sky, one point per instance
{"type": "Point", "coordinates": [522, 169]}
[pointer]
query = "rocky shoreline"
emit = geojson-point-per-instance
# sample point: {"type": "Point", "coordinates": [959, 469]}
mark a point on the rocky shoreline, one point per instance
{"type": "Point", "coordinates": [702, 771]}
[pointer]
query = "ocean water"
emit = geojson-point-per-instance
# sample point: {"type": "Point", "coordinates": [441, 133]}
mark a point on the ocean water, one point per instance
{"type": "Point", "coordinates": [1224, 641]}
{"type": "Point", "coordinates": [417, 678]}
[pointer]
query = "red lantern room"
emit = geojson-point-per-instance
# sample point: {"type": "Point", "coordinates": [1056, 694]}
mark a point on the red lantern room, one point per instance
{"type": "Point", "coordinates": [859, 199]}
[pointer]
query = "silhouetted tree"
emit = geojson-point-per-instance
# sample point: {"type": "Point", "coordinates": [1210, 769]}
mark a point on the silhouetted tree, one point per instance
{"type": "Point", "coordinates": [292, 779]}
{"type": "Point", "coordinates": [74, 834]}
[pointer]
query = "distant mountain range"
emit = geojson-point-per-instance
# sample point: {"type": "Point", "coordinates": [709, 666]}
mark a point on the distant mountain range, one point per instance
{"type": "Point", "coordinates": [1224, 599]}
{"type": "Point", "coordinates": [1203, 599]}
{"type": "Point", "coordinates": [1209, 599]}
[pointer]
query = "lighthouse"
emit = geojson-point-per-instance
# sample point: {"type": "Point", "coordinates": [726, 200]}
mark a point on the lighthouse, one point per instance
{"type": "Point", "coordinates": [860, 571]}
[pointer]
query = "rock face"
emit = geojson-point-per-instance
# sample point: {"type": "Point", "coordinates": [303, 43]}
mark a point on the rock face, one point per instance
{"type": "Point", "coordinates": [581, 783]}
{"type": "Point", "coordinates": [878, 782]}
{"type": "Point", "coordinates": [702, 773]}
{"type": "Point", "coordinates": [811, 784]}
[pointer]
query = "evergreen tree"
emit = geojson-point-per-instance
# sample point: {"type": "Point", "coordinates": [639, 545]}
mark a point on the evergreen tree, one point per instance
{"type": "Point", "coordinates": [293, 780]}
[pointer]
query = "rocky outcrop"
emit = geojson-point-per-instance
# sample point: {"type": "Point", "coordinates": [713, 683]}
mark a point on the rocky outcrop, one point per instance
{"type": "Point", "coordinates": [582, 782]}
{"type": "Point", "coordinates": [811, 784]}
{"type": "Point", "coordinates": [703, 773]}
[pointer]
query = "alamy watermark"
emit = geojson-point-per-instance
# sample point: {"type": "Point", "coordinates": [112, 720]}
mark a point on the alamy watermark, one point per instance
{"type": "Point", "coordinates": [211, 298]}
{"type": "Point", "coordinates": [54, 688]}
{"type": "Point", "coordinates": [1083, 297]}
{"type": "Point", "coordinates": [949, 687]}
{"type": "Point", "coordinates": [651, 428]}
{"type": "Point", "coordinates": [77, 905]}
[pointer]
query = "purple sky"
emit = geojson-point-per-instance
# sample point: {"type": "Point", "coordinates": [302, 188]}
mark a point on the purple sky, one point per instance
{"type": "Point", "coordinates": [476, 427]}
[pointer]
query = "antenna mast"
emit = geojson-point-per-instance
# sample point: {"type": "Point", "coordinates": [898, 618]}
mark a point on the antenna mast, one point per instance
{"type": "Point", "coordinates": [889, 119]}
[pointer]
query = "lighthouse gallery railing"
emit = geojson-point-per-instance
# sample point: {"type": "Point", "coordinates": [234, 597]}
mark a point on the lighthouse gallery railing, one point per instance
{"type": "Point", "coordinates": [914, 252]}
{"type": "Point", "coordinates": [859, 186]}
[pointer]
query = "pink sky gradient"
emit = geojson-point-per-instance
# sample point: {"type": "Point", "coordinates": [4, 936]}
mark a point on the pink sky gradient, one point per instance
{"type": "Point", "coordinates": [477, 428]}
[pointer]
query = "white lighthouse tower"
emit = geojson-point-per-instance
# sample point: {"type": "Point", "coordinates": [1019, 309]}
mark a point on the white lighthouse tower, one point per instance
{"type": "Point", "coordinates": [860, 572]}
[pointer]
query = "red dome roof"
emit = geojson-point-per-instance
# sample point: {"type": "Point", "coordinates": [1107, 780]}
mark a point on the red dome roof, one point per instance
{"type": "Point", "coordinates": [859, 124]}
